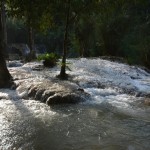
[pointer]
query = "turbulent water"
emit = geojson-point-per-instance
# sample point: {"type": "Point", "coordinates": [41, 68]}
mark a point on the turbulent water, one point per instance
{"type": "Point", "coordinates": [112, 119]}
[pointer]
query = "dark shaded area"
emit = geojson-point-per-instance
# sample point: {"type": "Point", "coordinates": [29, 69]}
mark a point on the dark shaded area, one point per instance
{"type": "Point", "coordinates": [113, 28]}
{"type": "Point", "coordinates": [5, 77]}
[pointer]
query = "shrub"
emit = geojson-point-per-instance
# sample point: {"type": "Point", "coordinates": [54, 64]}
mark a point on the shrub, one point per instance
{"type": "Point", "coordinates": [49, 59]}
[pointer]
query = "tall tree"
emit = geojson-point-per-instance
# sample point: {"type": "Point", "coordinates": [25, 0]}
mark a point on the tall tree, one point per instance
{"type": "Point", "coordinates": [63, 74]}
{"type": "Point", "coordinates": [71, 11]}
{"type": "Point", "coordinates": [3, 11]}
{"type": "Point", "coordinates": [5, 76]}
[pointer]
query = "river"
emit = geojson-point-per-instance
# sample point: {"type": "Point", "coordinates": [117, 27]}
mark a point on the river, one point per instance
{"type": "Point", "coordinates": [110, 120]}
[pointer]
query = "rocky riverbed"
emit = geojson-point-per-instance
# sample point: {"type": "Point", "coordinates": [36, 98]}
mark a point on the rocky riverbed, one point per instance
{"type": "Point", "coordinates": [106, 107]}
{"type": "Point", "coordinates": [34, 81]}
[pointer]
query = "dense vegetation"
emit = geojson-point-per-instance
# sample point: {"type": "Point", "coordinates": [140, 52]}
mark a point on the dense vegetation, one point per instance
{"type": "Point", "coordinates": [81, 28]}
{"type": "Point", "coordinates": [115, 28]}
{"type": "Point", "coordinates": [49, 59]}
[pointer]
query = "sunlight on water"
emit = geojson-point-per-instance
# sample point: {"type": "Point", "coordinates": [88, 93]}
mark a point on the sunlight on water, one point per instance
{"type": "Point", "coordinates": [109, 120]}
{"type": "Point", "coordinates": [20, 121]}
{"type": "Point", "coordinates": [111, 74]}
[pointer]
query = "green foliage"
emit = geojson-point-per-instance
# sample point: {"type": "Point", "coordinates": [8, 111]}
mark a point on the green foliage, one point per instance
{"type": "Point", "coordinates": [35, 13]}
{"type": "Point", "coordinates": [49, 59]}
{"type": "Point", "coordinates": [96, 28]}
{"type": "Point", "coordinates": [48, 56]}
{"type": "Point", "coordinates": [16, 31]}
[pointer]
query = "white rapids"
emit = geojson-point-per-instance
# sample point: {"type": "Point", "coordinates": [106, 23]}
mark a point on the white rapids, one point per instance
{"type": "Point", "coordinates": [113, 118]}
{"type": "Point", "coordinates": [113, 74]}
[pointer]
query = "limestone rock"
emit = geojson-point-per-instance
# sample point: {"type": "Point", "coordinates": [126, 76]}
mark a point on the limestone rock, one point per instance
{"type": "Point", "coordinates": [67, 98]}
{"type": "Point", "coordinates": [147, 101]}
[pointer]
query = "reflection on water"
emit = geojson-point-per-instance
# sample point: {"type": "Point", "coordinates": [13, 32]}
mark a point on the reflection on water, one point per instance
{"type": "Point", "coordinates": [32, 125]}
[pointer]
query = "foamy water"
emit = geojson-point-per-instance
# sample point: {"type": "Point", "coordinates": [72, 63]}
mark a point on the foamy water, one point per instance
{"type": "Point", "coordinates": [109, 120]}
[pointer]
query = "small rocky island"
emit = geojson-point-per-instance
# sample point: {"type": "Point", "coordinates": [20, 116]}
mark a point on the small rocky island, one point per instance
{"type": "Point", "coordinates": [32, 83]}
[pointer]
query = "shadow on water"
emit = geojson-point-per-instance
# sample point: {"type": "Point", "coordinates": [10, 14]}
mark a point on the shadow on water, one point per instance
{"type": "Point", "coordinates": [102, 127]}
{"type": "Point", "coordinates": [80, 127]}
{"type": "Point", "coordinates": [25, 124]}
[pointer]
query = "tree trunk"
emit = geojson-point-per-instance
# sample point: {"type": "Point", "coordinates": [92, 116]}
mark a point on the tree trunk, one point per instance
{"type": "Point", "coordinates": [5, 76]}
{"type": "Point", "coordinates": [63, 74]}
{"type": "Point", "coordinates": [3, 11]}
{"type": "Point", "coordinates": [31, 44]}
{"type": "Point", "coordinates": [82, 49]}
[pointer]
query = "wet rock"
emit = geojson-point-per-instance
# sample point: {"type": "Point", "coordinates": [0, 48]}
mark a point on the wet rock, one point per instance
{"type": "Point", "coordinates": [38, 68]}
{"type": "Point", "coordinates": [142, 94]}
{"type": "Point", "coordinates": [147, 101]}
{"type": "Point", "coordinates": [14, 64]}
{"type": "Point", "coordinates": [130, 91]}
{"type": "Point", "coordinates": [147, 95]}
{"type": "Point", "coordinates": [32, 91]}
{"type": "Point", "coordinates": [55, 92]}
{"type": "Point", "coordinates": [101, 86]}
{"type": "Point", "coordinates": [46, 94]}
{"type": "Point", "coordinates": [49, 63]}
{"type": "Point", "coordinates": [132, 77]}
{"type": "Point", "coordinates": [114, 59]}
{"type": "Point", "coordinates": [67, 98]}
{"type": "Point", "coordinates": [39, 93]}
{"type": "Point", "coordinates": [23, 95]}
{"type": "Point", "coordinates": [146, 69]}
{"type": "Point", "coordinates": [80, 89]}
{"type": "Point", "coordinates": [13, 86]}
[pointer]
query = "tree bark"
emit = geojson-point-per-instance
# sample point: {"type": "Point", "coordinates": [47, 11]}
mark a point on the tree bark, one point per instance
{"type": "Point", "coordinates": [31, 44]}
{"type": "Point", "coordinates": [63, 74]}
{"type": "Point", "coordinates": [5, 76]}
{"type": "Point", "coordinates": [4, 28]}
{"type": "Point", "coordinates": [31, 39]}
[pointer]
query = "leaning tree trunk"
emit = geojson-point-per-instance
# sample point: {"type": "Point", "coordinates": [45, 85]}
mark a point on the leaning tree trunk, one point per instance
{"type": "Point", "coordinates": [3, 11]}
{"type": "Point", "coordinates": [63, 74]}
{"type": "Point", "coordinates": [5, 76]}
{"type": "Point", "coordinates": [31, 44]}
{"type": "Point", "coordinates": [31, 39]}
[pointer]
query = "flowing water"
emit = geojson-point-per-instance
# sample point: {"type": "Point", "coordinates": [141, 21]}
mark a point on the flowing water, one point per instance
{"type": "Point", "coordinates": [109, 120]}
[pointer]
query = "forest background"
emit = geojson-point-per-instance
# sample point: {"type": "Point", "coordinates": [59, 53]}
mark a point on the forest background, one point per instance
{"type": "Point", "coordinates": [119, 28]}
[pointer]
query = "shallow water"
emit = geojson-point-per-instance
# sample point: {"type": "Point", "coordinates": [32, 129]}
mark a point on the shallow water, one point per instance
{"type": "Point", "coordinates": [32, 125]}
{"type": "Point", "coordinates": [109, 120]}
